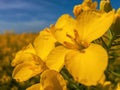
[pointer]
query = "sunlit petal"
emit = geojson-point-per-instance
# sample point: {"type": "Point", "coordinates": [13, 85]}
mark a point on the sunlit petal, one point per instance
{"type": "Point", "coordinates": [55, 59]}
{"type": "Point", "coordinates": [87, 67]}
{"type": "Point", "coordinates": [25, 55]}
{"type": "Point", "coordinates": [64, 26]}
{"type": "Point", "coordinates": [25, 71]}
{"type": "Point", "coordinates": [44, 43]}
{"type": "Point", "coordinates": [52, 80]}
{"type": "Point", "coordinates": [92, 25]}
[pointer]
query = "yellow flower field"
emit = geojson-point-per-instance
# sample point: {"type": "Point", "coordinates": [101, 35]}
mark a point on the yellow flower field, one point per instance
{"type": "Point", "coordinates": [10, 44]}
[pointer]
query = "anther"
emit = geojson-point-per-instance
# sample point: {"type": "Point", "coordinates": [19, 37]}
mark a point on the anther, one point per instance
{"type": "Point", "coordinates": [76, 34]}
{"type": "Point", "coordinates": [69, 36]}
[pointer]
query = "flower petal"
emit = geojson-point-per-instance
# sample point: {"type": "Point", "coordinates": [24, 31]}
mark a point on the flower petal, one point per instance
{"type": "Point", "coordinates": [55, 59]}
{"type": "Point", "coordinates": [35, 87]}
{"type": "Point", "coordinates": [52, 80]}
{"type": "Point", "coordinates": [92, 25]}
{"type": "Point", "coordinates": [87, 67]}
{"type": "Point", "coordinates": [25, 71]}
{"type": "Point", "coordinates": [64, 26]}
{"type": "Point", "coordinates": [118, 86]}
{"type": "Point", "coordinates": [25, 55]}
{"type": "Point", "coordinates": [44, 43]}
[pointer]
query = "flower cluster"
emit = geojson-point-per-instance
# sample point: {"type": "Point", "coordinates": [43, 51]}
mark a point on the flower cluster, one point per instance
{"type": "Point", "coordinates": [69, 43]}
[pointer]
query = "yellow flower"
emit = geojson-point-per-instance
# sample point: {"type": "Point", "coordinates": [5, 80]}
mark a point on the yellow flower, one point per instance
{"type": "Point", "coordinates": [30, 61]}
{"type": "Point", "coordinates": [50, 80]}
{"type": "Point", "coordinates": [85, 60]}
{"type": "Point", "coordinates": [86, 5]}
{"type": "Point", "coordinates": [27, 64]}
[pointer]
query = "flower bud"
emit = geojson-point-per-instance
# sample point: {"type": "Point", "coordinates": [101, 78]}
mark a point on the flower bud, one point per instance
{"type": "Point", "coordinates": [105, 5]}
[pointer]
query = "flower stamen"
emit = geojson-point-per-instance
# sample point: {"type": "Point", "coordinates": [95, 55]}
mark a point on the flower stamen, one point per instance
{"type": "Point", "coordinates": [78, 44]}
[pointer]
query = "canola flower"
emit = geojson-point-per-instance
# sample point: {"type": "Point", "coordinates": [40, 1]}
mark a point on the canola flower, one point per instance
{"type": "Point", "coordinates": [85, 60]}
{"type": "Point", "coordinates": [80, 55]}
{"type": "Point", "coordinates": [68, 43]}
{"type": "Point", "coordinates": [31, 55]}
{"type": "Point", "coordinates": [30, 62]}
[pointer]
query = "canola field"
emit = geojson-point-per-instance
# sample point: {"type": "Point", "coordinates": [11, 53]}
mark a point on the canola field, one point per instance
{"type": "Point", "coordinates": [10, 43]}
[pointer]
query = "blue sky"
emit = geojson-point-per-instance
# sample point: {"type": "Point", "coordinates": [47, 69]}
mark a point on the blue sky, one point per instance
{"type": "Point", "coordinates": [34, 15]}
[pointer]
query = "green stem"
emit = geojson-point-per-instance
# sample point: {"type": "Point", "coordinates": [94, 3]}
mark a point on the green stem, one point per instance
{"type": "Point", "coordinates": [104, 44]}
{"type": "Point", "coordinates": [70, 80]}
{"type": "Point", "coordinates": [114, 73]}
{"type": "Point", "coordinates": [112, 37]}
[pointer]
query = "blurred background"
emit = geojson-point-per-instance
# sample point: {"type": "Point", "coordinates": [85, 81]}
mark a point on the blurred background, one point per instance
{"type": "Point", "coordinates": [33, 15]}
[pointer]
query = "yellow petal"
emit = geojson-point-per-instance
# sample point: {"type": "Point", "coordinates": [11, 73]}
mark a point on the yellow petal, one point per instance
{"type": "Point", "coordinates": [29, 49]}
{"type": "Point", "coordinates": [64, 26]}
{"type": "Point", "coordinates": [44, 43]}
{"type": "Point", "coordinates": [88, 66]}
{"type": "Point", "coordinates": [25, 55]}
{"type": "Point", "coordinates": [25, 71]}
{"type": "Point", "coordinates": [52, 80]}
{"type": "Point", "coordinates": [35, 87]}
{"type": "Point", "coordinates": [118, 86]}
{"type": "Point", "coordinates": [55, 59]}
{"type": "Point", "coordinates": [102, 79]}
{"type": "Point", "coordinates": [92, 25]}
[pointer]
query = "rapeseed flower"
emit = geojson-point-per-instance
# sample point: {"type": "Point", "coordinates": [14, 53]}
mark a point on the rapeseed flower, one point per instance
{"type": "Point", "coordinates": [29, 62]}
{"type": "Point", "coordinates": [85, 60]}
{"type": "Point", "coordinates": [50, 80]}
